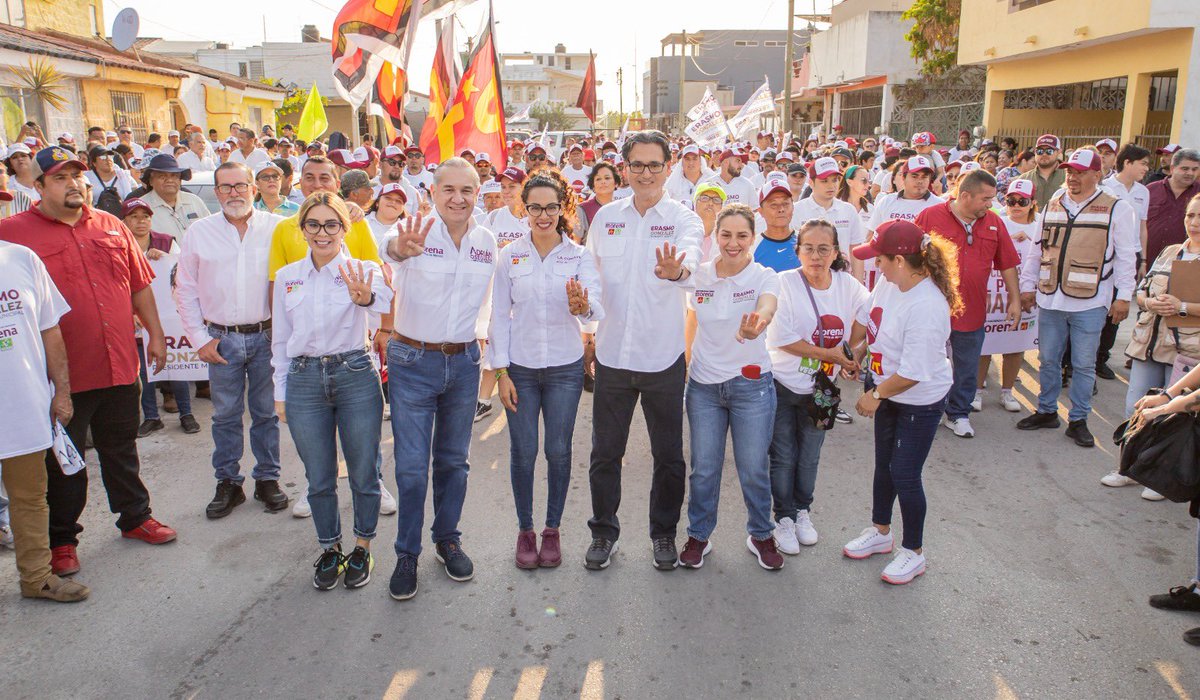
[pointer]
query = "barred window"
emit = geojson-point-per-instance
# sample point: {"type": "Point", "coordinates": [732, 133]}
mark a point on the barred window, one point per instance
{"type": "Point", "coordinates": [129, 109]}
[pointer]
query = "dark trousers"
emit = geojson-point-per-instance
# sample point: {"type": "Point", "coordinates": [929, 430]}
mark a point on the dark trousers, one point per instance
{"type": "Point", "coordinates": [112, 414]}
{"type": "Point", "coordinates": [616, 394]}
{"type": "Point", "coordinates": [903, 436]}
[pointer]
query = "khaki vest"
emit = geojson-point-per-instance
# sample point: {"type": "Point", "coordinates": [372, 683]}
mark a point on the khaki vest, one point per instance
{"type": "Point", "coordinates": [1073, 249]}
{"type": "Point", "coordinates": [1151, 339]}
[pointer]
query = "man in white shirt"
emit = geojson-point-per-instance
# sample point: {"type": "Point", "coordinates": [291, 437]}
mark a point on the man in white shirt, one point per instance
{"type": "Point", "coordinates": [196, 158]}
{"type": "Point", "coordinates": [441, 270]}
{"type": "Point", "coordinates": [918, 172]}
{"type": "Point", "coordinates": [681, 184]}
{"type": "Point", "coordinates": [222, 293]}
{"type": "Point", "coordinates": [414, 171]}
{"type": "Point", "coordinates": [285, 151]}
{"type": "Point", "coordinates": [576, 172]}
{"type": "Point", "coordinates": [646, 247]}
{"type": "Point", "coordinates": [247, 150]}
{"type": "Point", "coordinates": [391, 169]}
{"type": "Point", "coordinates": [1080, 224]}
{"type": "Point", "coordinates": [125, 136]}
{"type": "Point", "coordinates": [825, 177]}
{"type": "Point", "coordinates": [738, 189]}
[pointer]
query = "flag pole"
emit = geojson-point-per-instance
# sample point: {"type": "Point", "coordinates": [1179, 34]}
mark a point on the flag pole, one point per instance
{"type": "Point", "coordinates": [592, 61]}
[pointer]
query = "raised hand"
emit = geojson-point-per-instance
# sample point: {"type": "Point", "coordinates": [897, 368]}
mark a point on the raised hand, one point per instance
{"type": "Point", "coordinates": [410, 242]}
{"type": "Point", "coordinates": [358, 286]}
{"type": "Point", "coordinates": [751, 327]}
{"type": "Point", "coordinates": [577, 298]}
{"type": "Point", "coordinates": [668, 266]}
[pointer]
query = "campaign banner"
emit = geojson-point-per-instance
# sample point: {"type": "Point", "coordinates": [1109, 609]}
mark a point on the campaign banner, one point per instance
{"type": "Point", "coordinates": [1000, 336]}
{"type": "Point", "coordinates": [708, 129]}
{"type": "Point", "coordinates": [748, 117]}
{"type": "Point", "coordinates": [183, 364]}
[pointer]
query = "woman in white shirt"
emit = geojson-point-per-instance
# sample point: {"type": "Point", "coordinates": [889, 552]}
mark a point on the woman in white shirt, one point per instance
{"type": "Point", "coordinates": [389, 208]}
{"type": "Point", "coordinates": [546, 286]}
{"type": "Point", "coordinates": [1020, 219]}
{"type": "Point", "coordinates": [730, 387]}
{"type": "Point", "coordinates": [856, 189]}
{"type": "Point", "coordinates": [818, 303]}
{"type": "Point", "coordinates": [326, 386]}
{"type": "Point", "coordinates": [906, 321]}
{"type": "Point", "coordinates": [105, 174]}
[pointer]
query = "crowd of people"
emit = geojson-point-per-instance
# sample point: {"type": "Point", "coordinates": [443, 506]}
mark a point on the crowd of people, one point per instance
{"type": "Point", "coordinates": [744, 287]}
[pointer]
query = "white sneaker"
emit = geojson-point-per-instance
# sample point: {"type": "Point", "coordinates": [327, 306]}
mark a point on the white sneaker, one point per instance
{"type": "Point", "coordinates": [387, 502]}
{"type": "Point", "coordinates": [6, 537]}
{"type": "Point", "coordinates": [906, 566]}
{"type": "Point", "coordinates": [1152, 495]}
{"type": "Point", "coordinates": [1009, 402]}
{"type": "Point", "coordinates": [785, 536]}
{"type": "Point", "coordinates": [871, 541]}
{"type": "Point", "coordinates": [960, 426]}
{"type": "Point", "coordinates": [977, 402]}
{"type": "Point", "coordinates": [301, 509]}
{"type": "Point", "coordinates": [806, 534]}
{"type": "Point", "coordinates": [1115, 478]}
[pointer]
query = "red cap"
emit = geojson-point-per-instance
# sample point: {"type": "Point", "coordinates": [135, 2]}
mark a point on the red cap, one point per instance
{"type": "Point", "coordinates": [515, 174]}
{"type": "Point", "coordinates": [1082, 160]}
{"type": "Point", "coordinates": [896, 237]}
{"type": "Point", "coordinates": [1168, 149]}
{"type": "Point", "coordinates": [1049, 140]}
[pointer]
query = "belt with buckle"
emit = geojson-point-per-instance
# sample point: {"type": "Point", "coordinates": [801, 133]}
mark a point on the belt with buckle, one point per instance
{"type": "Point", "coordinates": [245, 328]}
{"type": "Point", "coordinates": [444, 348]}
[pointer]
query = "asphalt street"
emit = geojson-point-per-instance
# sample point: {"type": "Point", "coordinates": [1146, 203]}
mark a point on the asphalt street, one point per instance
{"type": "Point", "coordinates": [1036, 588]}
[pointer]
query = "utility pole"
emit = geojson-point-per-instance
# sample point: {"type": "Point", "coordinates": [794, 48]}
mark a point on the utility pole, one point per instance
{"type": "Point", "coordinates": [790, 57]}
{"type": "Point", "coordinates": [682, 73]}
{"type": "Point", "coordinates": [620, 92]}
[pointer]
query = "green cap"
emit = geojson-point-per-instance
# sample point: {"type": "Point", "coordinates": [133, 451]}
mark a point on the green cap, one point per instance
{"type": "Point", "coordinates": [706, 188]}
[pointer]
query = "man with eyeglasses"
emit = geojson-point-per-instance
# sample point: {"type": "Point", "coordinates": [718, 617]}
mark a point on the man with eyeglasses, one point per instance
{"type": "Point", "coordinates": [1046, 176]}
{"type": "Point", "coordinates": [222, 294]}
{"type": "Point", "coordinates": [174, 209]}
{"type": "Point", "coordinates": [983, 245]}
{"type": "Point", "coordinates": [646, 247]}
{"type": "Point", "coordinates": [738, 189]}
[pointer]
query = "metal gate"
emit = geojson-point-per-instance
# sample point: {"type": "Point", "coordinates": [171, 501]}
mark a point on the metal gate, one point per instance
{"type": "Point", "coordinates": [944, 121]}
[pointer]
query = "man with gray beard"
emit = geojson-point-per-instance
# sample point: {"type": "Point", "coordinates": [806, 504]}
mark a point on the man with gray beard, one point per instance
{"type": "Point", "coordinates": [223, 295]}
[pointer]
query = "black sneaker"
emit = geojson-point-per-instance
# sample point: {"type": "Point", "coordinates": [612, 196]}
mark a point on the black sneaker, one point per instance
{"type": "Point", "coordinates": [267, 491]}
{"type": "Point", "coordinates": [358, 568]}
{"type": "Point", "coordinates": [404, 579]}
{"type": "Point", "coordinates": [1184, 598]}
{"type": "Point", "coordinates": [482, 410]}
{"type": "Point", "coordinates": [599, 555]}
{"type": "Point", "coordinates": [1104, 371]}
{"type": "Point", "coordinates": [229, 495]}
{"type": "Point", "coordinates": [329, 566]}
{"type": "Point", "coordinates": [666, 557]}
{"type": "Point", "coordinates": [1192, 636]}
{"type": "Point", "coordinates": [1039, 420]}
{"type": "Point", "coordinates": [149, 426]}
{"type": "Point", "coordinates": [1078, 431]}
{"type": "Point", "coordinates": [451, 555]}
{"type": "Point", "coordinates": [843, 417]}
{"type": "Point", "coordinates": [189, 424]}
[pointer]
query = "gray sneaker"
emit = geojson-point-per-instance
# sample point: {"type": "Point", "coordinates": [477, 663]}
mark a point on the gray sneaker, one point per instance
{"type": "Point", "coordinates": [599, 555]}
{"type": "Point", "coordinates": [666, 557]}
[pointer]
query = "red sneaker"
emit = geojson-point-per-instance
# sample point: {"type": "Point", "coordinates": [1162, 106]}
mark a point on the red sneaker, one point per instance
{"type": "Point", "coordinates": [63, 560]}
{"type": "Point", "coordinates": [527, 556]}
{"type": "Point", "coordinates": [767, 553]}
{"type": "Point", "coordinates": [692, 556]}
{"type": "Point", "coordinates": [550, 554]}
{"type": "Point", "coordinates": [151, 531]}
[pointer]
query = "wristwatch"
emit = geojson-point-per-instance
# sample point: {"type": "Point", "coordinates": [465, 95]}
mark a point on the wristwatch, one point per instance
{"type": "Point", "coordinates": [875, 395]}
{"type": "Point", "coordinates": [1183, 308]}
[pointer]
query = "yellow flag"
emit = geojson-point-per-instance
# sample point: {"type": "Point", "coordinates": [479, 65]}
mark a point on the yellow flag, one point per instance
{"type": "Point", "coordinates": [312, 120]}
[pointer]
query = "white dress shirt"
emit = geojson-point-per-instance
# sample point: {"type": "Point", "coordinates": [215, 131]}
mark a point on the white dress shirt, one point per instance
{"type": "Point", "coordinates": [196, 163]}
{"type": "Point", "coordinates": [440, 292]}
{"type": "Point", "coordinates": [682, 189]}
{"type": "Point", "coordinates": [314, 316]}
{"type": "Point", "coordinates": [256, 156]}
{"type": "Point", "coordinates": [531, 324]}
{"type": "Point", "coordinates": [1121, 272]}
{"type": "Point", "coordinates": [222, 276]}
{"type": "Point", "coordinates": [842, 215]}
{"type": "Point", "coordinates": [642, 329]}
{"type": "Point", "coordinates": [719, 304]}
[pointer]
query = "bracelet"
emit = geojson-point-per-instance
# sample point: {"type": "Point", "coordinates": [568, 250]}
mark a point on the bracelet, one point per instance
{"type": "Point", "coordinates": [369, 301]}
{"type": "Point", "coordinates": [681, 271]}
{"type": "Point", "coordinates": [502, 372]}
{"type": "Point", "coordinates": [389, 331]}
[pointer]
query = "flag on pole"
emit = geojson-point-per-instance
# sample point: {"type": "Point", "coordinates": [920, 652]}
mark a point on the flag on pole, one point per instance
{"type": "Point", "coordinates": [388, 97]}
{"type": "Point", "coordinates": [747, 118]}
{"type": "Point", "coordinates": [313, 122]}
{"type": "Point", "coordinates": [624, 131]}
{"type": "Point", "coordinates": [523, 114]}
{"type": "Point", "coordinates": [443, 84]}
{"type": "Point", "coordinates": [708, 129]}
{"type": "Point", "coordinates": [587, 94]}
{"type": "Point", "coordinates": [367, 33]}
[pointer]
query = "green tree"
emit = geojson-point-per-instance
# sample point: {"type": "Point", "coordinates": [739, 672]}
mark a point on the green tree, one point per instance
{"type": "Point", "coordinates": [934, 35]}
{"type": "Point", "coordinates": [293, 104]}
{"type": "Point", "coordinates": [551, 117]}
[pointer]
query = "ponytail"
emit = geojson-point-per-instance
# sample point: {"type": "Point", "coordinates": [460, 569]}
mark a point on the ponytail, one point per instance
{"type": "Point", "coordinates": [939, 259]}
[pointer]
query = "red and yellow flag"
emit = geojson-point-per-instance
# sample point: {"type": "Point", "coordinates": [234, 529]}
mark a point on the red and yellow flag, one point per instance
{"type": "Point", "coordinates": [366, 34]}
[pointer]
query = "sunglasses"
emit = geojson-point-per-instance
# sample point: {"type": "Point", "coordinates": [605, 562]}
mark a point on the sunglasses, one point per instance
{"type": "Point", "coordinates": [1017, 202]}
{"type": "Point", "coordinates": [533, 157]}
{"type": "Point", "coordinates": [1046, 151]}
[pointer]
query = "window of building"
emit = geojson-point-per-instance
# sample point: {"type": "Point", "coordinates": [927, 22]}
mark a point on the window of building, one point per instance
{"type": "Point", "coordinates": [774, 44]}
{"type": "Point", "coordinates": [1162, 93]}
{"type": "Point", "coordinates": [129, 108]}
{"type": "Point", "coordinates": [861, 111]}
{"type": "Point", "coordinates": [243, 69]}
{"type": "Point", "coordinates": [1018, 5]}
{"type": "Point", "coordinates": [550, 61]}
{"type": "Point", "coordinates": [12, 12]}
{"type": "Point", "coordinates": [256, 70]}
{"type": "Point", "coordinates": [567, 62]}
{"type": "Point", "coordinates": [94, 18]}
{"type": "Point", "coordinates": [740, 42]}
{"type": "Point", "coordinates": [531, 94]}
{"type": "Point", "coordinates": [256, 120]}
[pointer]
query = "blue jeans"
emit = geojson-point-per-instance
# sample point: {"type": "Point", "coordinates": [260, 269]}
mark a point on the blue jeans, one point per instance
{"type": "Point", "coordinates": [965, 349]}
{"type": "Point", "coordinates": [903, 436]}
{"type": "Point", "coordinates": [795, 452]}
{"type": "Point", "coordinates": [1083, 329]}
{"type": "Point", "coordinates": [181, 390]}
{"type": "Point", "coordinates": [1145, 375]}
{"type": "Point", "coordinates": [433, 408]}
{"type": "Point", "coordinates": [553, 393]}
{"type": "Point", "coordinates": [331, 398]}
{"type": "Point", "coordinates": [745, 407]}
{"type": "Point", "coordinates": [246, 378]}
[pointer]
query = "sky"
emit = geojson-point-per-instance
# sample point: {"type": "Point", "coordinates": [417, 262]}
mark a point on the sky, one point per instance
{"type": "Point", "coordinates": [616, 30]}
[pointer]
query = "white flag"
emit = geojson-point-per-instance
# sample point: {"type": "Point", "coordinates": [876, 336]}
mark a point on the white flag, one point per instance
{"type": "Point", "coordinates": [701, 106]}
{"type": "Point", "coordinates": [708, 128]}
{"type": "Point", "coordinates": [624, 131]}
{"type": "Point", "coordinates": [523, 114]}
{"type": "Point", "coordinates": [746, 120]}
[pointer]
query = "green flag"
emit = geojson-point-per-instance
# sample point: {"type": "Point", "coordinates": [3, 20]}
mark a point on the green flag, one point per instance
{"type": "Point", "coordinates": [312, 120]}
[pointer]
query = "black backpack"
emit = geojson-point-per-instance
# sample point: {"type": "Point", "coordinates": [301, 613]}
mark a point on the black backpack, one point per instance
{"type": "Point", "coordinates": [110, 199]}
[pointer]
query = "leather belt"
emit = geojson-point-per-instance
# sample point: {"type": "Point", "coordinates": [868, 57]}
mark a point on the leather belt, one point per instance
{"type": "Point", "coordinates": [444, 348]}
{"type": "Point", "coordinates": [244, 328]}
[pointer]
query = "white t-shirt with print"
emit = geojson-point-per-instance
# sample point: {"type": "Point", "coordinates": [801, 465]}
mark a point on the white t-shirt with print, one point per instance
{"type": "Point", "coordinates": [719, 304]}
{"type": "Point", "coordinates": [795, 321]}
{"type": "Point", "coordinates": [907, 333]}
{"type": "Point", "coordinates": [892, 206]}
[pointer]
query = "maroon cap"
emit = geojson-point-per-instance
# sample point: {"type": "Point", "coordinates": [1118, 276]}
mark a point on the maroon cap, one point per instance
{"type": "Point", "coordinates": [132, 205]}
{"type": "Point", "coordinates": [515, 174]}
{"type": "Point", "coordinates": [897, 237]}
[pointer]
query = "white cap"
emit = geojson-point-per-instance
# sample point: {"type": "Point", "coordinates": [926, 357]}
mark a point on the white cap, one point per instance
{"type": "Point", "coordinates": [1023, 188]}
{"type": "Point", "coordinates": [170, 133]}
{"type": "Point", "coordinates": [482, 157]}
{"type": "Point", "coordinates": [969, 166]}
{"type": "Point", "coordinates": [267, 165]}
{"type": "Point", "coordinates": [393, 187]}
{"type": "Point", "coordinates": [690, 149]}
{"type": "Point", "coordinates": [490, 187]}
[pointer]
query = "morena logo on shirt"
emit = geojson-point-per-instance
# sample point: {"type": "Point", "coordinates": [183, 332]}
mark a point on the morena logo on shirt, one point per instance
{"type": "Point", "coordinates": [482, 256]}
{"type": "Point", "coordinates": [831, 334]}
{"type": "Point", "coordinates": [662, 231]}
{"type": "Point", "coordinates": [520, 258]}
{"type": "Point", "coordinates": [292, 285]}
{"type": "Point", "coordinates": [434, 252]}
{"type": "Point", "coordinates": [615, 228]}
{"type": "Point", "coordinates": [876, 321]}
{"type": "Point", "coordinates": [704, 296]}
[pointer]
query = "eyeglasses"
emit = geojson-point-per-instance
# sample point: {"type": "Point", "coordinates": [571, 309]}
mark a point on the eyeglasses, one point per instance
{"type": "Point", "coordinates": [709, 199]}
{"type": "Point", "coordinates": [240, 188]}
{"type": "Point", "coordinates": [537, 209]}
{"type": "Point", "coordinates": [1017, 202]}
{"type": "Point", "coordinates": [535, 158]}
{"type": "Point", "coordinates": [268, 177]}
{"type": "Point", "coordinates": [639, 167]}
{"type": "Point", "coordinates": [1046, 151]}
{"type": "Point", "coordinates": [313, 227]}
{"type": "Point", "coordinates": [819, 250]}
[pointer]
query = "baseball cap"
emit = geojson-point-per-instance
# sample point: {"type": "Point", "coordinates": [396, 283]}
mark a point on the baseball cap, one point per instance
{"type": "Point", "coordinates": [413, 150]}
{"type": "Point", "coordinates": [362, 154]}
{"type": "Point", "coordinates": [483, 157]}
{"type": "Point", "coordinates": [18, 148]}
{"type": "Point", "coordinates": [172, 132]}
{"type": "Point", "coordinates": [1082, 160]}
{"type": "Point", "coordinates": [969, 166]}
{"type": "Point", "coordinates": [953, 165]}
{"type": "Point", "coordinates": [132, 205]}
{"type": "Point", "coordinates": [896, 237]}
{"type": "Point", "coordinates": [515, 174]}
{"type": "Point", "coordinates": [589, 153]}
{"type": "Point", "coordinates": [284, 141]}
{"type": "Point", "coordinates": [844, 153]}
{"type": "Point", "coordinates": [66, 136]}
{"type": "Point", "coordinates": [923, 138]}
{"type": "Point", "coordinates": [534, 146]}
{"type": "Point", "coordinates": [891, 152]}
{"type": "Point", "coordinates": [773, 185]}
{"type": "Point", "coordinates": [392, 152]}
{"type": "Point", "coordinates": [314, 146]}
{"type": "Point", "coordinates": [851, 143]}
{"type": "Point", "coordinates": [575, 147]}
{"type": "Point", "coordinates": [918, 163]}
{"type": "Point", "coordinates": [1168, 149]}
{"type": "Point", "coordinates": [267, 165]}
{"type": "Point", "coordinates": [50, 160]}
{"type": "Point", "coordinates": [709, 188]}
{"type": "Point", "coordinates": [393, 187]}
{"type": "Point", "coordinates": [785, 157]}
{"type": "Point", "coordinates": [690, 149]}
{"type": "Point", "coordinates": [1023, 188]}
{"type": "Point", "coordinates": [346, 159]}
{"type": "Point", "coordinates": [1050, 141]}
{"type": "Point", "coordinates": [223, 146]}
{"type": "Point", "coordinates": [797, 168]}
{"type": "Point", "coordinates": [490, 187]}
{"type": "Point", "coordinates": [823, 167]}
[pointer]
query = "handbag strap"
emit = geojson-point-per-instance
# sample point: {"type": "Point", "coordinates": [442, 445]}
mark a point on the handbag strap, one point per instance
{"type": "Point", "coordinates": [816, 312]}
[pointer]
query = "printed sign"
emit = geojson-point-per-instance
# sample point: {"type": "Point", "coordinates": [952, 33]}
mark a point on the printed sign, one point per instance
{"type": "Point", "coordinates": [183, 364]}
{"type": "Point", "coordinates": [1001, 337]}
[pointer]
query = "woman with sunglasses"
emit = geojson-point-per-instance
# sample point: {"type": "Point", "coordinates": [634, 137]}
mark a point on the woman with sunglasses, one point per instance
{"type": "Point", "coordinates": [1020, 220]}
{"type": "Point", "coordinates": [856, 189]}
{"type": "Point", "coordinates": [326, 386]}
{"type": "Point", "coordinates": [545, 288]}
{"type": "Point", "coordinates": [268, 178]}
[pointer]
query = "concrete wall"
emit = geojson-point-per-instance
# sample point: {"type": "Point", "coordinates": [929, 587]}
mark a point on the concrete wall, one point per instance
{"type": "Point", "coordinates": [988, 31]}
{"type": "Point", "coordinates": [71, 16]}
{"type": "Point", "coordinates": [865, 45]}
{"type": "Point", "coordinates": [156, 91]}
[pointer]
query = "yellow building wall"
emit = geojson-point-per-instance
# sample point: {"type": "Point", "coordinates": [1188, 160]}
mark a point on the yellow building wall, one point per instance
{"type": "Point", "coordinates": [70, 16]}
{"type": "Point", "coordinates": [97, 103]}
{"type": "Point", "coordinates": [987, 31]}
{"type": "Point", "coordinates": [266, 109]}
